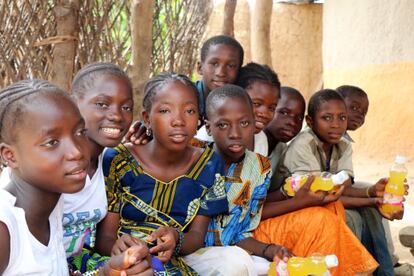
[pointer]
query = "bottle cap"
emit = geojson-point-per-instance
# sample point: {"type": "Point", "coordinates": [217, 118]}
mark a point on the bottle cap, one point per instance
{"type": "Point", "coordinates": [400, 159]}
{"type": "Point", "coordinates": [340, 177]}
{"type": "Point", "coordinates": [331, 261]}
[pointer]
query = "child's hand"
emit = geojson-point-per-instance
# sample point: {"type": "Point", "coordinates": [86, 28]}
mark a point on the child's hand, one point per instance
{"type": "Point", "coordinates": [378, 189]}
{"type": "Point", "coordinates": [305, 195]}
{"type": "Point", "coordinates": [332, 197]}
{"type": "Point", "coordinates": [137, 134]}
{"type": "Point", "coordinates": [166, 238]}
{"type": "Point", "coordinates": [396, 215]}
{"type": "Point", "coordinates": [123, 243]}
{"type": "Point", "coordinates": [276, 252]}
{"type": "Point", "coordinates": [134, 261]}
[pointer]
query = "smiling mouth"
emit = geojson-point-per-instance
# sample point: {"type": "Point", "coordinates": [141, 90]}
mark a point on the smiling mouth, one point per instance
{"type": "Point", "coordinates": [111, 132]}
{"type": "Point", "coordinates": [220, 83]}
{"type": "Point", "coordinates": [260, 125]}
{"type": "Point", "coordinates": [77, 174]}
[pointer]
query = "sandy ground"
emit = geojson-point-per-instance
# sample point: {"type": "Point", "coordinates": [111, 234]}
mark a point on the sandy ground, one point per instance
{"type": "Point", "coordinates": [367, 169]}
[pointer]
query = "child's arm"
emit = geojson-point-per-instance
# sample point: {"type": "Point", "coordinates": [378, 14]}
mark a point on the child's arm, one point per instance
{"type": "Point", "coordinates": [106, 234]}
{"type": "Point", "coordinates": [194, 238]}
{"type": "Point", "coordinates": [267, 251]}
{"type": "Point", "coordinates": [5, 247]}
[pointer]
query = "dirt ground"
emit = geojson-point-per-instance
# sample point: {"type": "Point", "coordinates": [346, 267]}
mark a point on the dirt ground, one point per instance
{"type": "Point", "coordinates": [368, 169]}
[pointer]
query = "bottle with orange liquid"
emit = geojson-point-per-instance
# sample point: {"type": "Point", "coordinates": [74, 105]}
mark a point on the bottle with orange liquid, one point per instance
{"type": "Point", "coordinates": [394, 190]}
{"type": "Point", "coordinates": [323, 182]}
{"type": "Point", "coordinates": [300, 266]}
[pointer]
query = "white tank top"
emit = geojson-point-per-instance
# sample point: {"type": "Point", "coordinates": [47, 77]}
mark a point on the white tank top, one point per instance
{"type": "Point", "coordinates": [27, 255]}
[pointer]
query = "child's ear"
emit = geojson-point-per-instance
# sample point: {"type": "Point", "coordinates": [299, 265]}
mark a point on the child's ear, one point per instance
{"type": "Point", "coordinates": [207, 124]}
{"type": "Point", "coordinates": [199, 68]}
{"type": "Point", "coordinates": [309, 121]}
{"type": "Point", "coordinates": [145, 118]}
{"type": "Point", "coordinates": [7, 155]}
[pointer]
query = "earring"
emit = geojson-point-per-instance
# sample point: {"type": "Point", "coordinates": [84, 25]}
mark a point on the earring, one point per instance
{"type": "Point", "coordinates": [148, 132]}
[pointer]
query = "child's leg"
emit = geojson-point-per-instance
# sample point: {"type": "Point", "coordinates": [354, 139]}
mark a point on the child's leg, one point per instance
{"type": "Point", "coordinates": [221, 260]}
{"type": "Point", "coordinates": [373, 238]}
{"type": "Point", "coordinates": [318, 230]}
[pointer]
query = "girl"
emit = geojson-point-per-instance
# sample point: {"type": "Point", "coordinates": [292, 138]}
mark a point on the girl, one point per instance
{"type": "Point", "coordinates": [47, 155]}
{"type": "Point", "coordinates": [165, 182]}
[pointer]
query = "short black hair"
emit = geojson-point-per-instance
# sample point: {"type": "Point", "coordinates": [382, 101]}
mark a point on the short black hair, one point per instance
{"type": "Point", "coordinates": [292, 92]}
{"type": "Point", "coordinates": [85, 78]}
{"type": "Point", "coordinates": [253, 72]}
{"type": "Point", "coordinates": [221, 39]}
{"type": "Point", "coordinates": [14, 100]}
{"type": "Point", "coordinates": [225, 92]}
{"type": "Point", "coordinates": [159, 81]}
{"type": "Point", "coordinates": [350, 90]}
{"type": "Point", "coordinates": [320, 97]}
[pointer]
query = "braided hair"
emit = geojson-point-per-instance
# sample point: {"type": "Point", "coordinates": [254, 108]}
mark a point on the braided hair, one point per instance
{"type": "Point", "coordinates": [85, 78]}
{"type": "Point", "coordinates": [13, 102]}
{"type": "Point", "coordinates": [158, 82]}
{"type": "Point", "coordinates": [253, 72]}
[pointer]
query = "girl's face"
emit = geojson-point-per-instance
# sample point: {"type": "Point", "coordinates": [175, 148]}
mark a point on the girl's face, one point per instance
{"type": "Point", "coordinates": [220, 66]}
{"type": "Point", "coordinates": [107, 109]}
{"type": "Point", "coordinates": [330, 121]}
{"type": "Point", "coordinates": [51, 149]}
{"type": "Point", "coordinates": [232, 128]}
{"type": "Point", "coordinates": [264, 97]}
{"type": "Point", "coordinates": [173, 117]}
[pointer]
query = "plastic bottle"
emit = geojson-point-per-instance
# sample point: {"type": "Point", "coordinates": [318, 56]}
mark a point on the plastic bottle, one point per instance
{"type": "Point", "coordinates": [394, 190]}
{"type": "Point", "coordinates": [299, 266]}
{"type": "Point", "coordinates": [324, 182]}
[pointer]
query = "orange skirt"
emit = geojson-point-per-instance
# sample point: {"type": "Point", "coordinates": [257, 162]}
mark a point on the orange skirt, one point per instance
{"type": "Point", "coordinates": [318, 230]}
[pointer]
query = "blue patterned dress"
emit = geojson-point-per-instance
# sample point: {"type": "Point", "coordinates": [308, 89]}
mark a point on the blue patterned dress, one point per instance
{"type": "Point", "coordinates": [145, 203]}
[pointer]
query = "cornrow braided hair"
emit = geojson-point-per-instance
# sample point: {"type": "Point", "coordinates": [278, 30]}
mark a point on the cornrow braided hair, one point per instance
{"type": "Point", "coordinates": [158, 82]}
{"type": "Point", "coordinates": [13, 100]}
{"type": "Point", "coordinates": [253, 72]}
{"type": "Point", "coordinates": [85, 78]}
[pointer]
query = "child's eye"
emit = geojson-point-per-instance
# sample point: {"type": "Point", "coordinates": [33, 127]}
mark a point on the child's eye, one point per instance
{"type": "Point", "coordinates": [354, 108]}
{"type": "Point", "coordinates": [191, 111]}
{"type": "Point", "coordinates": [327, 118]}
{"type": "Point", "coordinates": [81, 132]}
{"type": "Point", "coordinates": [163, 111]}
{"type": "Point", "coordinates": [256, 104]}
{"type": "Point", "coordinates": [244, 123]}
{"type": "Point", "coordinates": [272, 108]}
{"type": "Point", "coordinates": [231, 65]}
{"type": "Point", "coordinates": [222, 125]}
{"type": "Point", "coordinates": [127, 108]}
{"type": "Point", "coordinates": [342, 118]}
{"type": "Point", "coordinates": [51, 143]}
{"type": "Point", "coordinates": [283, 112]}
{"type": "Point", "coordinates": [101, 105]}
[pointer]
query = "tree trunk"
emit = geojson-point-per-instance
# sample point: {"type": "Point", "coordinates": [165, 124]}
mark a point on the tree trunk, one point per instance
{"type": "Point", "coordinates": [142, 12]}
{"type": "Point", "coordinates": [66, 12]}
{"type": "Point", "coordinates": [260, 32]}
{"type": "Point", "coordinates": [228, 22]}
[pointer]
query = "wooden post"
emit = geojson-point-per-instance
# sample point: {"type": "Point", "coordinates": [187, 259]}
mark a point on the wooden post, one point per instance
{"type": "Point", "coordinates": [66, 12]}
{"type": "Point", "coordinates": [142, 12]}
{"type": "Point", "coordinates": [260, 32]}
{"type": "Point", "coordinates": [228, 22]}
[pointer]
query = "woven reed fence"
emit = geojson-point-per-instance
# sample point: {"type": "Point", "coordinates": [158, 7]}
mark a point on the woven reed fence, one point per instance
{"type": "Point", "coordinates": [29, 36]}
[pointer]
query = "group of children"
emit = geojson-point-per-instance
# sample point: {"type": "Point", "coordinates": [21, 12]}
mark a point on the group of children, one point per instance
{"type": "Point", "coordinates": [172, 204]}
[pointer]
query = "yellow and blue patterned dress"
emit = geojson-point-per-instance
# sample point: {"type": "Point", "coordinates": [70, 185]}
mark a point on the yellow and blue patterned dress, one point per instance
{"type": "Point", "coordinates": [145, 203]}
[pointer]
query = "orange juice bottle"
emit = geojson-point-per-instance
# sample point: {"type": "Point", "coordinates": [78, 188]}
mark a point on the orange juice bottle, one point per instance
{"type": "Point", "coordinates": [323, 182]}
{"type": "Point", "coordinates": [303, 266]}
{"type": "Point", "coordinates": [394, 190]}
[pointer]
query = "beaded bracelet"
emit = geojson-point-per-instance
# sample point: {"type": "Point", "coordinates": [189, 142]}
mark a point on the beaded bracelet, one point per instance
{"type": "Point", "coordinates": [179, 242]}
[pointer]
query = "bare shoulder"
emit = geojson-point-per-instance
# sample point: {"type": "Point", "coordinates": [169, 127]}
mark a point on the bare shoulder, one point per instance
{"type": "Point", "coordinates": [5, 247]}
